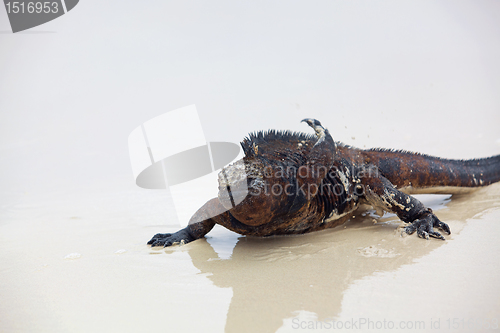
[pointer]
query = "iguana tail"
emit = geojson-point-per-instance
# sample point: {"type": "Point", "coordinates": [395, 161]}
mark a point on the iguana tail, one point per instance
{"type": "Point", "coordinates": [419, 173]}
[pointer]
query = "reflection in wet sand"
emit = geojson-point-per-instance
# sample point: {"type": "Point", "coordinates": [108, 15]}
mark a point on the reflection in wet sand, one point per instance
{"type": "Point", "coordinates": [274, 278]}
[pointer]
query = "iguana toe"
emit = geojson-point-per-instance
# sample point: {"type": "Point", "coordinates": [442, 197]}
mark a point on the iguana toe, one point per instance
{"type": "Point", "coordinates": [180, 237]}
{"type": "Point", "coordinates": [157, 238]}
{"type": "Point", "coordinates": [424, 226]}
{"type": "Point", "coordinates": [315, 124]}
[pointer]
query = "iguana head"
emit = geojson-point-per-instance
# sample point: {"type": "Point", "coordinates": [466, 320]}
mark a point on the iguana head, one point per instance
{"type": "Point", "coordinates": [255, 192]}
{"type": "Point", "coordinates": [261, 186]}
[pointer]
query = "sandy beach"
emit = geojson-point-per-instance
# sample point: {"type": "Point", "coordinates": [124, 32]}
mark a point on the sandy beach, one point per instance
{"type": "Point", "coordinates": [93, 272]}
{"type": "Point", "coordinates": [420, 76]}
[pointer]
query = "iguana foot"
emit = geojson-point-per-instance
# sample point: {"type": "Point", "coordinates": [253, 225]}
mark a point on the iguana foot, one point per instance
{"type": "Point", "coordinates": [315, 124]}
{"type": "Point", "coordinates": [321, 132]}
{"type": "Point", "coordinates": [180, 237]}
{"type": "Point", "coordinates": [425, 224]}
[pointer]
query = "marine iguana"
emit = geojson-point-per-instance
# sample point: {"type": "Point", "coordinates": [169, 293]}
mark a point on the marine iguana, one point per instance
{"type": "Point", "coordinates": [298, 183]}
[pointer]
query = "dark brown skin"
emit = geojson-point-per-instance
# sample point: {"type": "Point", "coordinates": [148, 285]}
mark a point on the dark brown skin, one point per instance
{"type": "Point", "coordinates": [299, 183]}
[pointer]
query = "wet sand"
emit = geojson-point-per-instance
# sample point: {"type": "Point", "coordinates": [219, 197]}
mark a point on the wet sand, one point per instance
{"type": "Point", "coordinates": [93, 272]}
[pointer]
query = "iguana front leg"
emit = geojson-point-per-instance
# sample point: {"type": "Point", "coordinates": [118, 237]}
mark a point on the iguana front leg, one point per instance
{"type": "Point", "coordinates": [380, 192]}
{"type": "Point", "coordinates": [201, 223]}
{"type": "Point", "coordinates": [194, 230]}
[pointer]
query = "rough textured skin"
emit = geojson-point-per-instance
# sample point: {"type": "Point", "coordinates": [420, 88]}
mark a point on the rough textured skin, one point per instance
{"type": "Point", "coordinates": [299, 183]}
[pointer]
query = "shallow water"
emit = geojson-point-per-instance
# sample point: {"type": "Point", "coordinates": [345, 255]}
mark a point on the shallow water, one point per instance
{"type": "Point", "coordinates": [71, 267]}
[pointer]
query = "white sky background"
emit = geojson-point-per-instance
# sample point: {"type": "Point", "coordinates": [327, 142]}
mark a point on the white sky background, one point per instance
{"type": "Point", "coordinates": [419, 75]}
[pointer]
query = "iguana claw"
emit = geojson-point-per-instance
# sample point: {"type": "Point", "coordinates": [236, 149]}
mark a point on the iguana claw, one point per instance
{"type": "Point", "coordinates": [180, 237]}
{"type": "Point", "coordinates": [424, 226]}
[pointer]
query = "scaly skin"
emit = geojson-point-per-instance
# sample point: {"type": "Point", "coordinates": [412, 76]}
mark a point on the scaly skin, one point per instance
{"type": "Point", "coordinates": [299, 183]}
